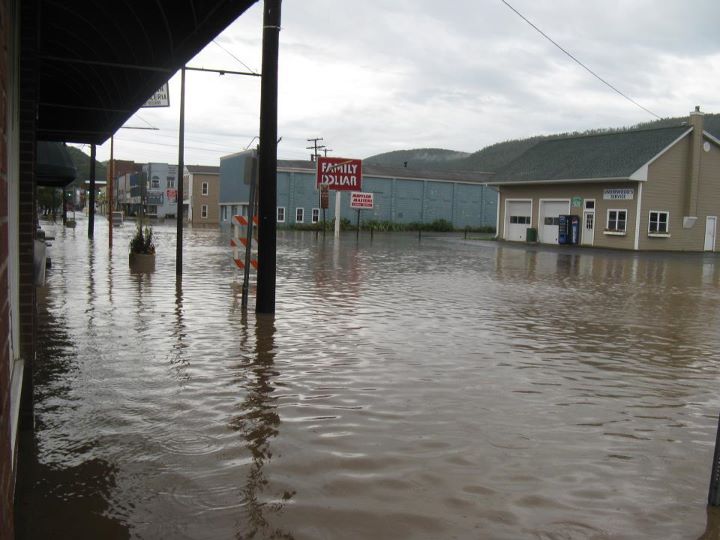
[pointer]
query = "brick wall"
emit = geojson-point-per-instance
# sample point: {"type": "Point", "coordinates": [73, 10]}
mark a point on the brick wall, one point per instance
{"type": "Point", "coordinates": [6, 465]}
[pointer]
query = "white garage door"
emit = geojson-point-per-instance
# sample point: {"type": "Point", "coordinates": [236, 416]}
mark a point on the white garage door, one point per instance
{"type": "Point", "coordinates": [549, 212]}
{"type": "Point", "coordinates": [517, 220]}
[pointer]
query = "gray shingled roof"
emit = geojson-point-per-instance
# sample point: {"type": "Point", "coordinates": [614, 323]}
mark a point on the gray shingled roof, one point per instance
{"type": "Point", "coordinates": [399, 172]}
{"type": "Point", "coordinates": [610, 155]}
{"type": "Point", "coordinates": [202, 169]}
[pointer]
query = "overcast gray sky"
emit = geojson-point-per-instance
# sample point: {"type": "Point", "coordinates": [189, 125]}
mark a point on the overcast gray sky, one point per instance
{"type": "Point", "coordinates": [381, 75]}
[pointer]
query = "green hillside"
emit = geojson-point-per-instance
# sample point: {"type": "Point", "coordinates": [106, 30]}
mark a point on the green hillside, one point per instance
{"type": "Point", "coordinates": [82, 164]}
{"type": "Point", "coordinates": [493, 157]}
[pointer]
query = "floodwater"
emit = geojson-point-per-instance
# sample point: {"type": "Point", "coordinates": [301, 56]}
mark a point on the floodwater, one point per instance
{"type": "Point", "coordinates": [405, 389]}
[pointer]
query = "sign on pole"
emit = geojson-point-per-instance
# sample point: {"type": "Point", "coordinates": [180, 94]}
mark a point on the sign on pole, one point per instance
{"type": "Point", "coordinates": [161, 98]}
{"type": "Point", "coordinates": [361, 201]}
{"type": "Point", "coordinates": [340, 174]}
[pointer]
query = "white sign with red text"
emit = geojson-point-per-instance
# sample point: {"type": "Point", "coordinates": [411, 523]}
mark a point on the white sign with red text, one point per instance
{"type": "Point", "coordinates": [361, 201]}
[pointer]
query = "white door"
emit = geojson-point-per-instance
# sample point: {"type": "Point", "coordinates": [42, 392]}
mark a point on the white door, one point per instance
{"type": "Point", "coordinates": [517, 220]}
{"type": "Point", "coordinates": [710, 231]}
{"type": "Point", "coordinates": [549, 212]}
{"type": "Point", "coordinates": [588, 225]}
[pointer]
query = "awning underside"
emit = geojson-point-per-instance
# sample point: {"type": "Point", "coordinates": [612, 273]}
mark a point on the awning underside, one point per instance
{"type": "Point", "coordinates": [100, 61]}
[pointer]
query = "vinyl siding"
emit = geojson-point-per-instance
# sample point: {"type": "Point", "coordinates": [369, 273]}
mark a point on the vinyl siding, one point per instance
{"type": "Point", "coordinates": [586, 191]}
{"type": "Point", "coordinates": [212, 199]}
{"type": "Point", "coordinates": [666, 190]}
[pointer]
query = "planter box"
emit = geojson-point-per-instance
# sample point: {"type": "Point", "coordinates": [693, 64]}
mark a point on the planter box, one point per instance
{"type": "Point", "coordinates": [142, 263]}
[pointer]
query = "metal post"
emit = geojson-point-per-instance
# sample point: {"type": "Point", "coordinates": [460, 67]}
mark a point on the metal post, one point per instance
{"type": "Point", "coordinates": [109, 188]}
{"type": "Point", "coordinates": [181, 175]}
{"type": "Point", "coordinates": [249, 236]}
{"type": "Point", "coordinates": [357, 235]}
{"type": "Point", "coordinates": [267, 226]}
{"type": "Point", "coordinates": [714, 492]}
{"type": "Point", "coordinates": [91, 201]}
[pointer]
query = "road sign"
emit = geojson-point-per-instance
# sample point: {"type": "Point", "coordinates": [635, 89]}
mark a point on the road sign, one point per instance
{"type": "Point", "coordinates": [340, 174]}
{"type": "Point", "coordinates": [324, 197]}
{"type": "Point", "coordinates": [361, 201]}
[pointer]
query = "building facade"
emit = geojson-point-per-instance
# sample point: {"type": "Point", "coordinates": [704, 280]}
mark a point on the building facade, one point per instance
{"type": "Point", "coordinates": [160, 190]}
{"type": "Point", "coordinates": [400, 195]}
{"type": "Point", "coordinates": [201, 188]}
{"type": "Point", "coordinates": [654, 189]}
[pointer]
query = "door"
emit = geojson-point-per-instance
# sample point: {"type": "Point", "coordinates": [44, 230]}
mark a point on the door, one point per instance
{"type": "Point", "coordinates": [588, 225]}
{"type": "Point", "coordinates": [710, 231]}
{"type": "Point", "coordinates": [517, 220]}
{"type": "Point", "coordinates": [549, 219]}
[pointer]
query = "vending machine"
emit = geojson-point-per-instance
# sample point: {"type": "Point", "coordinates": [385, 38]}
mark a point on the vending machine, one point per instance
{"type": "Point", "coordinates": [568, 229]}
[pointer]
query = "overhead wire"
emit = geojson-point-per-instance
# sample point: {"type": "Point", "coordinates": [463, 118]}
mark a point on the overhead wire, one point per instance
{"type": "Point", "coordinates": [236, 58]}
{"type": "Point", "coordinates": [631, 100]}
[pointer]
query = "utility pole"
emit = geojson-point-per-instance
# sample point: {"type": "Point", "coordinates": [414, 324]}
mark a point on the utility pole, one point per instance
{"type": "Point", "coordinates": [180, 178]}
{"type": "Point", "coordinates": [91, 202]}
{"type": "Point", "coordinates": [267, 218]}
{"type": "Point", "coordinates": [314, 147]}
{"type": "Point", "coordinates": [326, 150]}
{"type": "Point", "coordinates": [109, 188]}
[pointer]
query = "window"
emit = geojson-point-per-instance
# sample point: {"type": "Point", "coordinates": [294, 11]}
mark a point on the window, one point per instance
{"type": "Point", "coordinates": [203, 211]}
{"type": "Point", "coordinates": [553, 220]}
{"type": "Point", "coordinates": [315, 215]}
{"type": "Point", "coordinates": [617, 221]}
{"type": "Point", "coordinates": [520, 220]}
{"type": "Point", "coordinates": [224, 213]}
{"type": "Point", "coordinates": [170, 182]}
{"type": "Point", "coordinates": [659, 222]}
{"type": "Point", "coordinates": [299, 215]}
{"type": "Point", "coordinates": [281, 214]}
{"type": "Point", "coordinates": [590, 205]}
{"type": "Point", "coordinates": [204, 188]}
{"type": "Point", "coordinates": [155, 182]}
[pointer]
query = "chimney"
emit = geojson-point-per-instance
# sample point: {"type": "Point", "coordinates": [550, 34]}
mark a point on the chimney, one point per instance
{"type": "Point", "coordinates": [696, 141]}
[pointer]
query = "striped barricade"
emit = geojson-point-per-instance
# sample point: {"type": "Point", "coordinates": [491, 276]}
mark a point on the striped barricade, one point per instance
{"type": "Point", "coordinates": [240, 238]}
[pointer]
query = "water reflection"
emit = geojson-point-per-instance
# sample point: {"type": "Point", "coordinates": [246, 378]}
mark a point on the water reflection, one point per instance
{"type": "Point", "coordinates": [257, 421]}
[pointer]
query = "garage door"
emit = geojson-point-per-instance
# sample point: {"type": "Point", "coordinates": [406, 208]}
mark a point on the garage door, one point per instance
{"type": "Point", "coordinates": [518, 220]}
{"type": "Point", "coordinates": [549, 212]}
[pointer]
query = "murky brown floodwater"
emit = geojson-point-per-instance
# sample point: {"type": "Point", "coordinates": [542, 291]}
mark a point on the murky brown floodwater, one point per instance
{"type": "Point", "coordinates": [442, 389]}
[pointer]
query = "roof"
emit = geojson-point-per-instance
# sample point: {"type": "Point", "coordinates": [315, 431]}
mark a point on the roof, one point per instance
{"type": "Point", "coordinates": [100, 62]}
{"type": "Point", "coordinates": [589, 157]}
{"type": "Point", "coordinates": [397, 172]}
{"type": "Point", "coordinates": [202, 169]}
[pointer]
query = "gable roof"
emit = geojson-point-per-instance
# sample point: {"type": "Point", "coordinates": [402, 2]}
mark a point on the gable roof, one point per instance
{"type": "Point", "coordinates": [589, 157]}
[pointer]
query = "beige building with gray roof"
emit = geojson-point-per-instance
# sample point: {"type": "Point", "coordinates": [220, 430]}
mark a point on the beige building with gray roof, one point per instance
{"type": "Point", "coordinates": [651, 189]}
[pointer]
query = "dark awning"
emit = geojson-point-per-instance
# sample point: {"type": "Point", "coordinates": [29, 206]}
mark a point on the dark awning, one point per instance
{"type": "Point", "coordinates": [54, 166]}
{"type": "Point", "coordinates": [100, 61]}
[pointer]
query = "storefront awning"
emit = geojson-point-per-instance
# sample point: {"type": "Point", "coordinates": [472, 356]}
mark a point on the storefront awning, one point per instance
{"type": "Point", "coordinates": [100, 61]}
{"type": "Point", "coordinates": [54, 167]}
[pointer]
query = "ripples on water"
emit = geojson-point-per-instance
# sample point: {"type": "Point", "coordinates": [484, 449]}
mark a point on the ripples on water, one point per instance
{"type": "Point", "coordinates": [405, 389]}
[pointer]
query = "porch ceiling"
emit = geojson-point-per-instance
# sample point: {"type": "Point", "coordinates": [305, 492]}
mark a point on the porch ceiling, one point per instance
{"type": "Point", "coordinates": [100, 61]}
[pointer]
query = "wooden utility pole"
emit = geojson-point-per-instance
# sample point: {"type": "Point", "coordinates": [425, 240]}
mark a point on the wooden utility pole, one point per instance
{"type": "Point", "coordinates": [109, 188]}
{"type": "Point", "coordinates": [267, 226]}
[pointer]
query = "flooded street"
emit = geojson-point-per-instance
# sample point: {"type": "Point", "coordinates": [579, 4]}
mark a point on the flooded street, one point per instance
{"type": "Point", "coordinates": [405, 389]}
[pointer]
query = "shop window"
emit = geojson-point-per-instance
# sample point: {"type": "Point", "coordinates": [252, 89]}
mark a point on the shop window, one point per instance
{"type": "Point", "coordinates": [617, 221]}
{"type": "Point", "coordinates": [659, 222]}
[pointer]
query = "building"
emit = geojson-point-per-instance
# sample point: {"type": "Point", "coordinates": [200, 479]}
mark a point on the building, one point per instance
{"type": "Point", "coordinates": [43, 102]}
{"type": "Point", "coordinates": [400, 195]}
{"type": "Point", "coordinates": [201, 188]}
{"type": "Point", "coordinates": [651, 189]}
{"type": "Point", "coordinates": [161, 189]}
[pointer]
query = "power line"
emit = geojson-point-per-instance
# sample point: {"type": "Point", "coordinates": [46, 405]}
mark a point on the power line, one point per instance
{"type": "Point", "coordinates": [236, 58]}
{"type": "Point", "coordinates": [631, 100]}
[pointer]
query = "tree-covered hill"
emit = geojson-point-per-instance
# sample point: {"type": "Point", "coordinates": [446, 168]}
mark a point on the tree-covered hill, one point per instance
{"type": "Point", "coordinates": [493, 157]}
{"type": "Point", "coordinates": [82, 164]}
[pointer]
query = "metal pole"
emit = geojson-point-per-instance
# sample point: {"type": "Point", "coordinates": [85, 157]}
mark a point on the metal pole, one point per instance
{"type": "Point", "coordinates": [109, 188]}
{"type": "Point", "coordinates": [267, 226]}
{"type": "Point", "coordinates": [181, 176]}
{"type": "Point", "coordinates": [357, 236]}
{"type": "Point", "coordinates": [714, 492]}
{"type": "Point", "coordinates": [337, 214]}
{"type": "Point", "coordinates": [91, 202]}
{"type": "Point", "coordinates": [248, 238]}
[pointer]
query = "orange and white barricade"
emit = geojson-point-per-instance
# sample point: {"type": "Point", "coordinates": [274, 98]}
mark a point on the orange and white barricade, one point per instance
{"type": "Point", "coordinates": [240, 239]}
